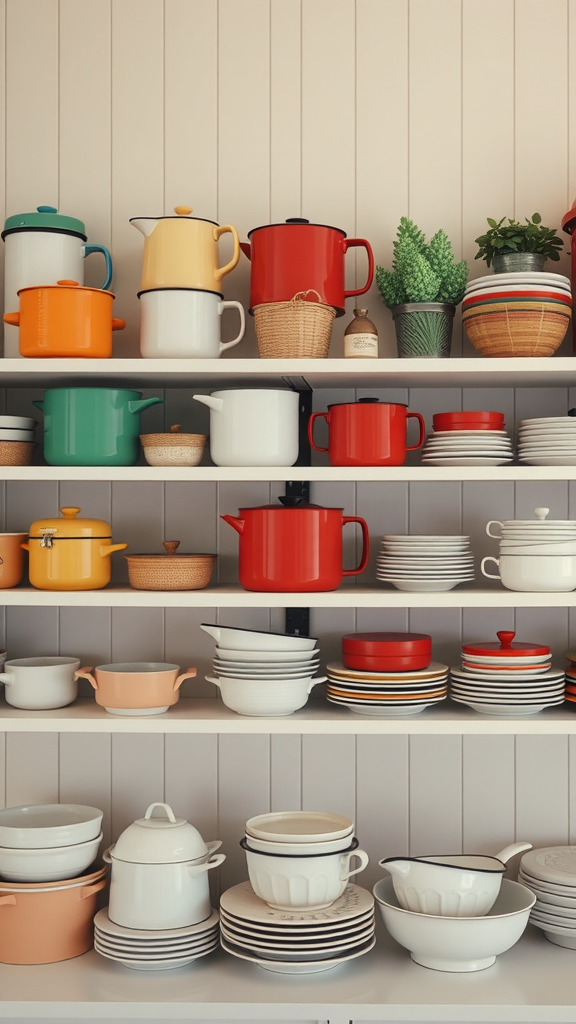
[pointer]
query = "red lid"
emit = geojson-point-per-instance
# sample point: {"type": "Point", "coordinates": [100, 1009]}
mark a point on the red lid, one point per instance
{"type": "Point", "coordinates": [387, 644]}
{"type": "Point", "coordinates": [478, 420]}
{"type": "Point", "coordinates": [506, 648]}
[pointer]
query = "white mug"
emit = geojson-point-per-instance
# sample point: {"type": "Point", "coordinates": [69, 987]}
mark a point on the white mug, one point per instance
{"type": "Point", "coordinates": [535, 573]}
{"type": "Point", "coordinates": [39, 684]}
{"type": "Point", "coordinates": [302, 883]}
{"type": "Point", "coordinates": [184, 323]}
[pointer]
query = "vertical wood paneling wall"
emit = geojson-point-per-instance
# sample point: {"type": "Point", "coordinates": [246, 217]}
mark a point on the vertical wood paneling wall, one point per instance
{"type": "Point", "coordinates": [350, 112]}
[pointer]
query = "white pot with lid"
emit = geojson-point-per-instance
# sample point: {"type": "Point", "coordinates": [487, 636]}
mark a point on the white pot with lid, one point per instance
{"type": "Point", "coordinates": [253, 427]}
{"type": "Point", "coordinates": [43, 247]}
{"type": "Point", "coordinates": [159, 876]}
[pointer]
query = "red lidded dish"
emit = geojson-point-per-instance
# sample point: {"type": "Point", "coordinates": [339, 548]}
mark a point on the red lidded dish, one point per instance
{"type": "Point", "coordinates": [468, 421]}
{"type": "Point", "coordinates": [507, 648]}
{"type": "Point", "coordinates": [387, 652]}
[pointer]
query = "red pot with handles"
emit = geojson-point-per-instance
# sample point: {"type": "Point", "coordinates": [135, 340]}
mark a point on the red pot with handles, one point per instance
{"type": "Point", "coordinates": [298, 257]}
{"type": "Point", "coordinates": [294, 546]}
{"type": "Point", "coordinates": [367, 433]}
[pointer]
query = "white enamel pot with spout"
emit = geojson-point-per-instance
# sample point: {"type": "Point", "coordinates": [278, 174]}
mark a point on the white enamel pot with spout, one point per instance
{"type": "Point", "coordinates": [253, 427]}
{"type": "Point", "coordinates": [159, 875]}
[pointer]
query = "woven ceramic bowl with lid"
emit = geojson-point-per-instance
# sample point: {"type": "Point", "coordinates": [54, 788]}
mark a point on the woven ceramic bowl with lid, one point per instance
{"type": "Point", "coordinates": [173, 449]}
{"type": "Point", "coordinates": [387, 652]}
{"type": "Point", "coordinates": [170, 571]}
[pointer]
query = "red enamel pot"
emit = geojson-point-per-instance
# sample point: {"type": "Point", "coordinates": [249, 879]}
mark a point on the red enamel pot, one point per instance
{"type": "Point", "coordinates": [298, 257]}
{"type": "Point", "coordinates": [293, 546]}
{"type": "Point", "coordinates": [367, 433]}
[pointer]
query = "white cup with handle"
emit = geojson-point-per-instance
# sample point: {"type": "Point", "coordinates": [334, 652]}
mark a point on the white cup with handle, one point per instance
{"type": "Point", "coordinates": [39, 684]}
{"type": "Point", "coordinates": [184, 323]}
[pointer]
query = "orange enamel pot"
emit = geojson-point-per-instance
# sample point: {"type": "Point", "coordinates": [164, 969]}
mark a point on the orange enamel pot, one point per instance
{"type": "Point", "coordinates": [42, 925]}
{"type": "Point", "coordinates": [11, 559]}
{"type": "Point", "coordinates": [66, 320]}
{"type": "Point", "coordinates": [135, 685]}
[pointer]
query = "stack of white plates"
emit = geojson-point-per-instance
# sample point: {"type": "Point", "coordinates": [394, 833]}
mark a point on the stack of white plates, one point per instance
{"type": "Point", "coordinates": [425, 564]}
{"type": "Point", "coordinates": [155, 950]}
{"type": "Point", "coordinates": [468, 448]}
{"type": "Point", "coordinates": [551, 875]}
{"type": "Point", "coordinates": [494, 692]}
{"type": "Point", "coordinates": [549, 441]}
{"type": "Point", "coordinates": [384, 694]}
{"type": "Point", "coordinates": [296, 942]}
{"type": "Point", "coordinates": [269, 664]}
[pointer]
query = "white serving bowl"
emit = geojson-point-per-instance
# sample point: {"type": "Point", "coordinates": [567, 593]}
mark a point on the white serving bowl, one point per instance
{"type": "Point", "coordinates": [265, 698]}
{"type": "Point", "coordinates": [45, 826]}
{"type": "Point", "coordinates": [267, 657]}
{"type": "Point", "coordinates": [232, 638]}
{"type": "Point", "coordinates": [302, 883]}
{"type": "Point", "coordinates": [457, 944]}
{"type": "Point", "coordinates": [298, 849]}
{"type": "Point", "coordinates": [49, 865]}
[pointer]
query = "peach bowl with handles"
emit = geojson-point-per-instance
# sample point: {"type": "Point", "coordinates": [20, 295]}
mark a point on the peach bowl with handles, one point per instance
{"type": "Point", "coordinates": [136, 687]}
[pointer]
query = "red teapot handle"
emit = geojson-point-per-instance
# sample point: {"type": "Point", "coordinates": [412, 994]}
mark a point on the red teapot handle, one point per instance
{"type": "Point", "coordinates": [350, 243]}
{"type": "Point", "coordinates": [365, 545]}
{"type": "Point", "coordinates": [420, 418]}
{"type": "Point", "coordinates": [315, 416]}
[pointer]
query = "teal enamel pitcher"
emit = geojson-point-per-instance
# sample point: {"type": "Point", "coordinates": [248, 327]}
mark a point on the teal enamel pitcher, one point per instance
{"type": "Point", "coordinates": [92, 426]}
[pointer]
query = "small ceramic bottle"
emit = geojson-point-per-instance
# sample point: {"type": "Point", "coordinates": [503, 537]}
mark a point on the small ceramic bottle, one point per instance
{"type": "Point", "coordinates": [361, 337]}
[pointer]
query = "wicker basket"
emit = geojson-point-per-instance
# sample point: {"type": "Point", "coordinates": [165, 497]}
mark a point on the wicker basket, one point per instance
{"type": "Point", "coordinates": [299, 329]}
{"type": "Point", "coordinates": [170, 571]}
{"type": "Point", "coordinates": [517, 332]}
{"type": "Point", "coordinates": [16, 453]}
{"type": "Point", "coordinates": [173, 449]}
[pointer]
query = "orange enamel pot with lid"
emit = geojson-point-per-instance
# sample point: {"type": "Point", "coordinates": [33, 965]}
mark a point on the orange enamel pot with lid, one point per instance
{"type": "Point", "coordinates": [70, 553]}
{"type": "Point", "coordinates": [66, 320]}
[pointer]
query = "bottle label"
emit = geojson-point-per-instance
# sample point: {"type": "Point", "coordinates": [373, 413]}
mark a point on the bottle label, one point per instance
{"type": "Point", "coordinates": [361, 346]}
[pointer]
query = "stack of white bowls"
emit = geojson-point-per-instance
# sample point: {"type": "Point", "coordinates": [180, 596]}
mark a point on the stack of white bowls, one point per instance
{"type": "Point", "coordinates": [551, 875]}
{"type": "Point", "coordinates": [535, 554]}
{"type": "Point", "coordinates": [262, 674]}
{"type": "Point", "coordinates": [159, 914]}
{"type": "Point", "coordinates": [48, 842]}
{"type": "Point", "coordinates": [425, 564]}
{"type": "Point", "coordinates": [548, 441]}
{"type": "Point", "coordinates": [299, 863]}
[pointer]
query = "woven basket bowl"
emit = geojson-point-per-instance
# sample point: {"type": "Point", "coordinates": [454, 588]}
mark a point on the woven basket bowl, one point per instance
{"type": "Point", "coordinates": [170, 572]}
{"type": "Point", "coordinates": [173, 449]}
{"type": "Point", "coordinates": [293, 330]}
{"type": "Point", "coordinates": [517, 332]}
{"type": "Point", "coordinates": [16, 453]}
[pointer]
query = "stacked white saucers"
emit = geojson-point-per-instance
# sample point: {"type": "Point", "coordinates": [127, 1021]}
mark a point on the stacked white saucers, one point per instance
{"type": "Point", "coordinates": [296, 941]}
{"type": "Point", "coordinates": [468, 448]}
{"type": "Point", "coordinates": [387, 694]}
{"type": "Point", "coordinates": [551, 875]}
{"type": "Point", "coordinates": [155, 950]}
{"type": "Point", "coordinates": [548, 441]}
{"type": "Point", "coordinates": [425, 564]}
{"type": "Point", "coordinates": [506, 678]}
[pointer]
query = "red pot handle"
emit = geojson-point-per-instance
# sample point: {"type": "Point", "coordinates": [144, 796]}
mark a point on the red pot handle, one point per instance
{"type": "Point", "coordinates": [365, 544]}
{"type": "Point", "coordinates": [416, 416]}
{"type": "Point", "coordinates": [350, 243]}
{"type": "Point", "coordinates": [314, 416]}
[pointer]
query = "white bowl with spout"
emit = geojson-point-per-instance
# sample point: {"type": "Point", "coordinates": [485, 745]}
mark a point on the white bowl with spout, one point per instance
{"type": "Point", "coordinates": [463, 885]}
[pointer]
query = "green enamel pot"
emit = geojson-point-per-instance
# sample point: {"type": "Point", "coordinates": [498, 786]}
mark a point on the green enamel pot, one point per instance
{"type": "Point", "coordinates": [92, 426]}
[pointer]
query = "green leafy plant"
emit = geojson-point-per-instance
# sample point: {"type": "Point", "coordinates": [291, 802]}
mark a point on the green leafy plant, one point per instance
{"type": "Point", "coordinates": [516, 237]}
{"type": "Point", "coordinates": [421, 271]}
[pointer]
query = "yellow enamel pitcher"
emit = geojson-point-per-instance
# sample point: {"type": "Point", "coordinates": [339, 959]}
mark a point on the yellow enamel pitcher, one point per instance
{"type": "Point", "coordinates": [182, 251]}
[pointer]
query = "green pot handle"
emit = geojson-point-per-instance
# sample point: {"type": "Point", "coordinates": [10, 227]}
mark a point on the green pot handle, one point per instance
{"type": "Point", "coordinates": [143, 403]}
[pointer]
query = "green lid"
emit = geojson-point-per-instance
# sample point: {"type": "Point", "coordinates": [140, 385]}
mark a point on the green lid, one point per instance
{"type": "Point", "coordinates": [45, 217]}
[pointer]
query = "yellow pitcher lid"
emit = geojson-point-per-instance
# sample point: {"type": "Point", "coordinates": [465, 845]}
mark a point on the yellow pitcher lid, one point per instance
{"type": "Point", "coordinates": [70, 526]}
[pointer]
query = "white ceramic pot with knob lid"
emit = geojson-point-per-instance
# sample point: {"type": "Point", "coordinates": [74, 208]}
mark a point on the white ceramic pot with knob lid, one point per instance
{"type": "Point", "coordinates": [253, 427]}
{"type": "Point", "coordinates": [159, 875]}
{"type": "Point", "coordinates": [43, 247]}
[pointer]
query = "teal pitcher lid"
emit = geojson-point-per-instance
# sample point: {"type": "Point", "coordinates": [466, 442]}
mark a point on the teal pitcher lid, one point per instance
{"type": "Point", "coordinates": [46, 217]}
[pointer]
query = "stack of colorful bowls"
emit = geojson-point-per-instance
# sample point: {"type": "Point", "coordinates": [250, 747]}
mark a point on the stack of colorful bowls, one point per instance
{"type": "Point", "coordinates": [16, 440]}
{"type": "Point", "coordinates": [570, 693]}
{"type": "Point", "coordinates": [507, 678]}
{"type": "Point", "coordinates": [425, 564]}
{"type": "Point", "coordinates": [388, 693]}
{"type": "Point", "coordinates": [548, 441]}
{"type": "Point", "coordinates": [551, 875]}
{"type": "Point", "coordinates": [517, 314]}
{"type": "Point", "coordinates": [468, 439]}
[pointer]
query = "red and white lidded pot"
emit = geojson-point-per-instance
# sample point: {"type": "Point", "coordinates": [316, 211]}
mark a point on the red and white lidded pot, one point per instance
{"type": "Point", "coordinates": [507, 653]}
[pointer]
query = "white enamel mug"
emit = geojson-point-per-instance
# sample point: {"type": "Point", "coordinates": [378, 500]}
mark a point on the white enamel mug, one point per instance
{"type": "Point", "coordinates": [38, 684]}
{"type": "Point", "coordinates": [302, 883]}
{"type": "Point", "coordinates": [253, 427]}
{"type": "Point", "coordinates": [536, 573]}
{"type": "Point", "coordinates": [184, 323]}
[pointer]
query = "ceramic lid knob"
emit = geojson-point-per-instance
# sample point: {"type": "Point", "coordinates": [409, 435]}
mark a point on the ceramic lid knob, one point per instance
{"type": "Point", "coordinates": [68, 284]}
{"type": "Point", "coordinates": [183, 211]}
{"type": "Point", "coordinates": [506, 637]}
{"type": "Point", "coordinates": [69, 513]}
{"type": "Point", "coordinates": [541, 513]}
{"type": "Point", "coordinates": [171, 546]}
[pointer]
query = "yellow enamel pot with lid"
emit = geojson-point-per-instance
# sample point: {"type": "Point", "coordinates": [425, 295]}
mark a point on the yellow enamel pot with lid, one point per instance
{"type": "Point", "coordinates": [181, 251]}
{"type": "Point", "coordinates": [70, 553]}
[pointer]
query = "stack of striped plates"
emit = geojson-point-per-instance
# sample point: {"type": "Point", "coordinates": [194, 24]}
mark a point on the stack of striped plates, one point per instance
{"type": "Point", "coordinates": [387, 693]}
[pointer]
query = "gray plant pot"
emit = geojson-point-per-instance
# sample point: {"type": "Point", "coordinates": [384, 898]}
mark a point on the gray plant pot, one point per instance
{"type": "Point", "coordinates": [424, 329]}
{"type": "Point", "coordinates": [514, 262]}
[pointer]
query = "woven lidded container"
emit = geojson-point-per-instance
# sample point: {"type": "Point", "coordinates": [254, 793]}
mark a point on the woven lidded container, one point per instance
{"type": "Point", "coordinates": [173, 448]}
{"type": "Point", "coordinates": [299, 329]}
{"type": "Point", "coordinates": [16, 453]}
{"type": "Point", "coordinates": [170, 571]}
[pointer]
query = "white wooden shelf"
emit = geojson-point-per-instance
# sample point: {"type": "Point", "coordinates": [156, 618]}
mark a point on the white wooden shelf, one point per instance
{"type": "Point", "coordinates": [533, 981]}
{"type": "Point", "coordinates": [318, 474]}
{"type": "Point", "coordinates": [234, 596]}
{"type": "Point", "coordinates": [194, 715]}
{"type": "Point", "coordinates": [352, 373]}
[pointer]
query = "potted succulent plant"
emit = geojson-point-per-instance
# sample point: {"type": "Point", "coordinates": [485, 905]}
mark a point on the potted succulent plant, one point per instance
{"type": "Point", "coordinates": [422, 290]}
{"type": "Point", "coordinates": [518, 247]}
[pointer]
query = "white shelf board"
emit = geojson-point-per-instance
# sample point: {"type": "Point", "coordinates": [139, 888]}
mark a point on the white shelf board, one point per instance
{"type": "Point", "coordinates": [193, 715]}
{"type": "Point", "coordinates": [266, 473]}
{"type": "Point", "coordinates": [361, 373]}
{"type": "Point", "coordinates": [532, 982]}
{"type": "Point", "coordinates": [230, 596]}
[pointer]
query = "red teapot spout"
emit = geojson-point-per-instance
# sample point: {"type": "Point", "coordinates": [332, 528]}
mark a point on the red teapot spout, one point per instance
{"type": "Point", "coordinates": [246, 249]}
{"type": "Point", "coordinates": [236, 523]}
